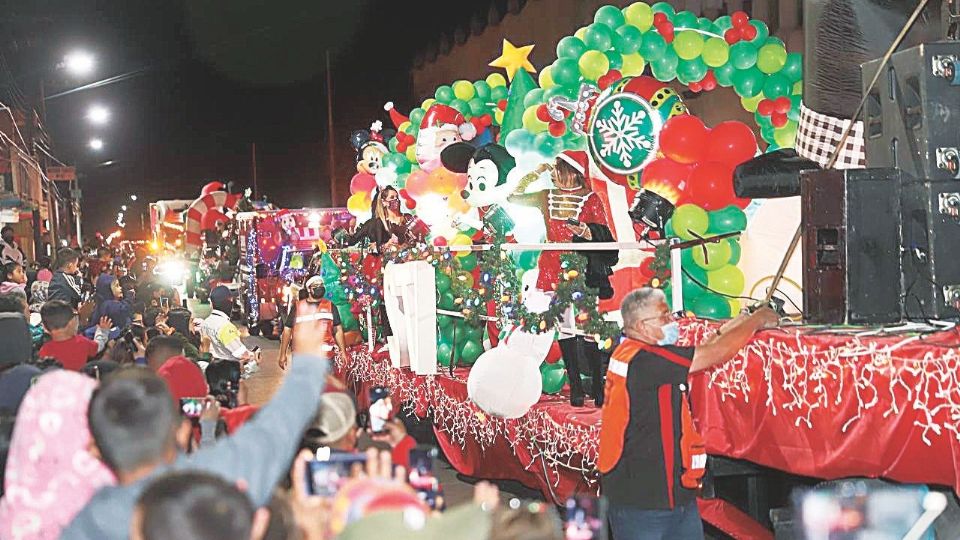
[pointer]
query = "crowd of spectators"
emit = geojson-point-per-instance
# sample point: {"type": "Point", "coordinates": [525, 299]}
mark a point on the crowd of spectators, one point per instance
{"type": "Point", "coordinates": [115, 422]}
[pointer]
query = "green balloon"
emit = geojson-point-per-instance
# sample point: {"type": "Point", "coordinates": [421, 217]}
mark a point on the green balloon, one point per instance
{"type": "Point", "coordinates": [723, 24]}
{"type": "Point", "coordinates": [706, 25]}
{"type": "Point", "coordinates": [443, 282]}
{"type": "Point", "coordinates": [553, 378]}
{"type": "Point", "coordinates": [793, 67]}
{"type": "Point", "coordinates": [444, 94]}
{"type": "Point", "coordinates": [444, 323]}
{"type": "Point", "coordinates": [609, 16]}
{"type": "Point", "coordinates": [526, 260]}
{"type": "Point", "coordinates": [767, 133]}
{"type": "Point", "coordinates": [748, 82]}
{"type": "Point", "coordinates": [470, 352]}
{"type": "Point", "coordinates": [724, 74]}
{"type": "Point", "coordinates": [477, 106]}
{"type": "Point", "coordinates": [498, 93]}
{"type": "Point", "coordinates": [565, 72]}
{"type": "Point", "coordinates": [743, 55]}
{"type": "Point", "coordinates": [460, 105]}
{"type": "Point", "coordinates": [416, 116]}
{"type": "Point", "coordinates": [533, 97]}
{"type": "Point", "coordinates": [716, 52]}
{"type": "Point", "coordinates": [547, 145]}
{"type": "Point", "coordinates": [614, 59]}
{"type": "Point", "coordinates": [762, 31]}
{"type": "Point", "coordinates": [444, 352]}
{"type": "Point", "coordinates": [771, 58]}
{"type": "Point", "coordinates": [776, 85]}
{"type": "Point", "coordinates": [735, 251]}
{"type": "Point", "coordinates": [688, 44]}
{"type": "Point", "coordinates": [482, 88]}
{"type": "Point", "coordinates": [570, 47]}
{"type": "Point", "coordinates": [684, 19]}
{"type": "Point", "coordinates": [598, 37]}
{"type": "Point", "coordinates": [468, 262]}
{"type": "Point", "coordinates": [665, 69]}
{"type": "Point", "coordinates": [665, 8]}
{"type": "Point", "coordinates": [447, 301]}
{"type": "Point", "coordinates": [631, 38]}
{"type": "Point", "coordinates": [690, 218]}
{"type": "Point", "coordinates": [794, 113]}
{"type": "Point", "coordinates": [711, 306]}
{"type": "Point", "coordinates": [786, 136]}
{"type": "Point", "coordinates": [690, 281]}
{"type": "Point", "coordinates": [725, 220]}
{"type": "Point", "coordinates": [652, 48]}
{"type": "Point", "coordinates": [726, 280]}
{"type": "Point", "coordinates": [690, 71]}
{"type": "Point", "coordinates": [712, 256]}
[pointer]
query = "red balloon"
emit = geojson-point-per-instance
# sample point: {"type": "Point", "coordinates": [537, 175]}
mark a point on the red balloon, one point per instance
{"type": "Point", "coordinates": [730, 142]}
{"type": "Point", "coordinates": [646, 268]}
{"type": "Point", "coordinates": [439, 241]}
{"type": "Point", "coordinates": [362, 183]}
{"type": "Point", "coordinates": [711, 186]}
{"type": "Point", "coordinates": [666, 178]}
{"type": "Point", "coordinates": [684, 138]}
{"type": "Point", "coordinates": [732, 35]}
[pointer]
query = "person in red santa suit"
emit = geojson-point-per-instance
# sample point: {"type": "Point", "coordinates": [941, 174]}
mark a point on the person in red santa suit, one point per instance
{"type": "Point", "coordinates": [442, 126]}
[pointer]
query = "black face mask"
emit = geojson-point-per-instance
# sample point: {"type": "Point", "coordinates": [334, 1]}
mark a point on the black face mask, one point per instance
{"type": "Point", "coordinates": [317, 291]}
{"type": "Point", "coordinates": [8, 238]}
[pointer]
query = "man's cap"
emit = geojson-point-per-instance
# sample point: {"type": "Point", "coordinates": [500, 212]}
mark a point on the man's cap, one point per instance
{"type": "Point", "coordinates": [221, 293]}
{"type": "Point", "coordinates": [336, 416]}
{"type": "Point", "coordinates": [467, 522]}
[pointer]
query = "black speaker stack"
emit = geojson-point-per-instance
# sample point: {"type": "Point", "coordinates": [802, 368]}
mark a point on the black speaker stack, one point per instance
{"type": "Point", "coordinates": [881, 244]}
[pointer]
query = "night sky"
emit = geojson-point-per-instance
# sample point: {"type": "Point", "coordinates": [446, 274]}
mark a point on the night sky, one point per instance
{"type": "Point", "coordinates": [211, 77]}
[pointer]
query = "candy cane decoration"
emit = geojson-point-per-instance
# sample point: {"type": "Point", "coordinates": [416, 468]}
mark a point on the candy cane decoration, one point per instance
{"type": "Point", "coordinates": [195, 213]}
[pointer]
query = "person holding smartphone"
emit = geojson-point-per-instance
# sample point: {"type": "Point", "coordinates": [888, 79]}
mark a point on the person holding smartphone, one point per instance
{"type": "Point", "coordinates": [327, 314]}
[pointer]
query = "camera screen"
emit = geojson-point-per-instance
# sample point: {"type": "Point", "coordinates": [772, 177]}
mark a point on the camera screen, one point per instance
{"type": "Point", "coordinates": [422, 478]}
{"type": "Point", "coordinates": [326, 477]}
{"type": "Point", "coordinates": [586, 518]}
{"type": "Point", "coordinates": [191, 407]}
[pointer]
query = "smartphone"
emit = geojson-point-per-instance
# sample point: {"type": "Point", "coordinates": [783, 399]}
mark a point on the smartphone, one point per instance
{"type": "Point", "coordinates": [191, 407]}
{"type": "Point", "coordinates": [586, 518]}
{"type": "Point", "coordinates": [857, 509]}
{"type": "Point", "coordinates": [164, 303]}
{"type": "Point", "coordinates": [422, 476]}
{"type": "Point", "coordinates": [381, 408]}
{"type": "Point", "coordinates": [327, 474]}
{"type": "Point", "coordinates": [573, 221]}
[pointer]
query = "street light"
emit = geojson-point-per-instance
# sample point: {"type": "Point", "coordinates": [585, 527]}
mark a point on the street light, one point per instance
{"type": "Point", "coordinates": [96, 144]}
{"type": "Point", "coordinates": [98, 114]}
{"type": "Point", "coordinates": [133, 197]}
{"type": "Point", "coordinates": [79, 63]}
{"type": "Point", "coordinates": [123, 207]}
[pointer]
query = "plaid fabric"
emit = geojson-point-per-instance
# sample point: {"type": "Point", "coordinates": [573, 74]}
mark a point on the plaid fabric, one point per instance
{"type": "Point", "coordinates": [818, 136]}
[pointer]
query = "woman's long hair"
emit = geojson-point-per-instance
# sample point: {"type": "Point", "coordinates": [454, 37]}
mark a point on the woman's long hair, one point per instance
{"type": "Point", "coordinates": [378, 209]}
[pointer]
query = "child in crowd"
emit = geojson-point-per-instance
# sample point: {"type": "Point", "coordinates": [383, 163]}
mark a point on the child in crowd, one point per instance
{"type": "Point", "coordinates": [14, 279]}
{"type": "Point", "coordinates": [65, 346]}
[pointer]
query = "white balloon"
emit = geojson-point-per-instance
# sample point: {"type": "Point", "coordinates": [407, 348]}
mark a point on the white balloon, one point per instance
{"type": "Point", "coordinates": [505, 382]}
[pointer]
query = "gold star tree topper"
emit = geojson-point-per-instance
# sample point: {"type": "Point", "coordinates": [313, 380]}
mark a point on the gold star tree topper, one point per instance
{"type": "Point", "coordinates": [513, 58]}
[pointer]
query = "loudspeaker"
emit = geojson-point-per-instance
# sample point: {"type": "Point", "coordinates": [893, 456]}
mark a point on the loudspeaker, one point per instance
{"type": "Point", "coordinates": [931, 237]}
{"type": "Point", "coordinates": [912, 115]}
{"type": "Point", "coordinates": [851, 246]}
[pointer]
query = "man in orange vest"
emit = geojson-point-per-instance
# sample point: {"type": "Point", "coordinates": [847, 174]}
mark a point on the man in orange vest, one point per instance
{"type": "Point", "coordinates": [326, 313]}
{"type": "Point", "coordinates": [651, 460]}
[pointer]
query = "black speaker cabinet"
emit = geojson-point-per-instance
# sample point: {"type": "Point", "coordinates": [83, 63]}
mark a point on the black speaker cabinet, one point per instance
{"type": "Point", "coordinates": [851, 246]}
{"type": "Point", "coordinates": [931, 237]}
{"type": "Point", "coordinates": [912, 116]}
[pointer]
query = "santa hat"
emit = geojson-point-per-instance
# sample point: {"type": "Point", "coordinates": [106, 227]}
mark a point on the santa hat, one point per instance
{"type": "Point", "coordinates": [395, 115]}
{"type": "Point", "coordinates": [447, 117]}
{"type": "Point", "coordinates": [576, 159]}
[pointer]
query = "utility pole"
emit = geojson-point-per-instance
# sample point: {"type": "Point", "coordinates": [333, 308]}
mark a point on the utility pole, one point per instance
{"type": "Point", "coordinates": [253, 155]}
{"type": "Point", "coordinates": [331, 158]}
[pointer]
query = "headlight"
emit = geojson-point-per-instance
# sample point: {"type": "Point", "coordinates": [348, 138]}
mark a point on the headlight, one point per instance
{"type": "Point", "coordinates": [172, 272]}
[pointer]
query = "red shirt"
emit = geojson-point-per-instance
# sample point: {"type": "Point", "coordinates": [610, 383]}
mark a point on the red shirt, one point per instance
{"type": "Point", "coordinates": [73, 353]}
{"type": "Point", "coordinates": [184, 378]}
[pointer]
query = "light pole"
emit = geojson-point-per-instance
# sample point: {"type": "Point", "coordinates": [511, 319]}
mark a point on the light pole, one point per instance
{"type": "Point", "coordinates": [98, 114]}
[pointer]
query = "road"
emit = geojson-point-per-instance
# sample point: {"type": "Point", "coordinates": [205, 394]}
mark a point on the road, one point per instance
{"type": "Point", "coordinates": [457, 488]}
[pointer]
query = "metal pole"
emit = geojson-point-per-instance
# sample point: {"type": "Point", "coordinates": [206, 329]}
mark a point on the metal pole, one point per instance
{"type": "Point", "coordinates": [253, 152]}
{"type": "Point", "coordinates": [331, 156]}
{"type": "Point", "coordinates": [676, 277]}
{"type": "Point", "coordinates": [76, 210]}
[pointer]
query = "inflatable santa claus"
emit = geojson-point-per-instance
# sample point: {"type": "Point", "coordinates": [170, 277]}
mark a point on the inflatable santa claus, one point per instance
{"type": "Point", "coordinates": [442, 126]}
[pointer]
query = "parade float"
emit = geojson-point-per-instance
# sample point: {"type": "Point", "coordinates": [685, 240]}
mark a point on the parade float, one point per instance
{"type": "Point", "coordinates": [512, 284]}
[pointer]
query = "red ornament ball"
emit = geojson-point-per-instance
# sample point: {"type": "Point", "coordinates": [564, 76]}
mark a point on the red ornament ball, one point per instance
{"type": "Point", "coordinates": [765, 107]}
{"type": "Point", "coordinates": [739, 19]}
{"type": "Point", "coordinates": [748, 31]}
{"type": "Point", "coordinates": [543, 114]}
{"type": "Point", "coordinates": [659, 18]}
{"type": "Point", "coordinates": [731, 36]}
{"type": "Point", "coordinates": [782, 104]}
{"type": "Point", "coordinates": [778, 119]}
{"type": "Point", "coordinates": [557, 129]}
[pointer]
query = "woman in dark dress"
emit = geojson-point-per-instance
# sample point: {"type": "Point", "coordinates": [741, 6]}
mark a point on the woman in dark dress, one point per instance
{"type": "Point", "coordinates": [388, 226]}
